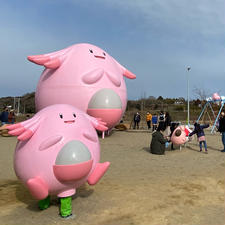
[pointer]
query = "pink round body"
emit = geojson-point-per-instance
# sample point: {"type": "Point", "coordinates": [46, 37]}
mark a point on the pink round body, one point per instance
{"type": "Point", "coordinates": [216, 96]}
{"type": "Point", "coordinates": [86, 77]}
{"type": "Point", "coordinates": [180, 135]}
{"type": "Point", "coordinates": [58, 150]}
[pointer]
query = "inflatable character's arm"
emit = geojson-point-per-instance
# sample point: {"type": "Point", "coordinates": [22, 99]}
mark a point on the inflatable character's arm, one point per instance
{"type": "Point", "coordinates": [97, 123]}
{"type": "Point", "coordinates": [26, 129]}
{"type": "Point", "coordinates": [126, 72]}
{"type": "Point", "coordinates": [100, 168]}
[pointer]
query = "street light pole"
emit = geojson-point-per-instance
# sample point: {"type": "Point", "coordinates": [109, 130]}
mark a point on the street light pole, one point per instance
{"type": "Point", "coordinates": [188, 105]}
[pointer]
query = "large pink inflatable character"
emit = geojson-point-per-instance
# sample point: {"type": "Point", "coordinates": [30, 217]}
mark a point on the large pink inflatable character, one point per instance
{"type": "Point", "coordinates": [85, 76]}
{"type": "Point", "coordinates": [180, 135]}
{"type": "Point", "coordinates": [58, 151]}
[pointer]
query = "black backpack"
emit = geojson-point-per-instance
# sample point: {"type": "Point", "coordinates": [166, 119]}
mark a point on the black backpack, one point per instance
{"type": "Point", "coordinates": [161, 117]}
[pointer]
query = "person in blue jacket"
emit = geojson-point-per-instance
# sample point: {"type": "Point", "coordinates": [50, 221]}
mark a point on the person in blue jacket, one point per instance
{"type": "Point", "coordinates": [154, 122]}
{"type": "Point", "coordinates": [199, 131]}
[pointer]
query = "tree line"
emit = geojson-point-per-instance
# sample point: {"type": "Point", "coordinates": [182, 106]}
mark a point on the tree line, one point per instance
{"type": "Point", "coordinates": [27, 104]}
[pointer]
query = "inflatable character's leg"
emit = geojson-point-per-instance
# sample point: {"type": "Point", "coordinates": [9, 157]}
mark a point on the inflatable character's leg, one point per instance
{"type": "Point", "coordinates": [44, 203]}
{"type": "Point", "coordinates": [66, 207]}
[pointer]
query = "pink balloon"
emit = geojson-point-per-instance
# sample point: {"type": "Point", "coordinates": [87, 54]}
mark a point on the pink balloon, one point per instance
{"type": "Point", "coordinates": [85, 76]}
{"type": "Point", "coordinates": [180, 135]}
{"type": "Point", "coordinates": [58, 150]}
{"type": "Point", "coordinates": [216, 96]}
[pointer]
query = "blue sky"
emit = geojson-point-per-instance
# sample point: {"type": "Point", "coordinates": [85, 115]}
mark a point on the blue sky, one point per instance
{"type": "Point", "coordinates": [154, 39]}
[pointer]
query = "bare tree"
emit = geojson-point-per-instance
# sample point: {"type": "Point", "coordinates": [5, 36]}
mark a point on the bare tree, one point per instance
{"type": "Point", "coordinates": [201, 93]}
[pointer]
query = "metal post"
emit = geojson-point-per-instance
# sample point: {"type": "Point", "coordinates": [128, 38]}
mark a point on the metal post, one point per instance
{"type": "Point", "coordinates": [202, 112]}
{"type": "Point", "coordinates": [188, 105]}
{"type": "Point", "coordinates": [18, 110]}
{"type": "Point", "coordinates": [24, 108]}
{"type": "Point", "coordinates": [14, 103]}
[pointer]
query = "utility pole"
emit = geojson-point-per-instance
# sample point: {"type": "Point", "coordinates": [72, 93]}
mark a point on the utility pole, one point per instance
{"type": "Point", "coordinates": [188, 105]}
{"type": "Point", "coordinates": [24, 108]}
{"type": "Point", "coordinates": [14, 103]}
{"type": "Point", "coordinates": [18, 109]}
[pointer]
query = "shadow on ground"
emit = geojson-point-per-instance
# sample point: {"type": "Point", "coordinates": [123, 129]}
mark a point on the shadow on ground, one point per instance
{"type": "Point", "coordinates": [14, 192]}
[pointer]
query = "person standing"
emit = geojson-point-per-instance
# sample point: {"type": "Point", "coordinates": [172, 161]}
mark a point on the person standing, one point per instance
{"type": "Point", "coordinates": [167, 124]}
{"type": "Point", "coordinates": [4, 116]}
{"type": "Point", "coordinates": [11, 117]}
{"type": "Point", "coordinates": [162, 120]}
{"type": "Point", "coordinates": [137, 119]}
{"type": "Point", "coordinates": [198, 130]}
{"type": "Point", "coordinates": [222, 129]}
{"type": "Point", "coordinates": [149, 119]}
{"type": "Point", "coordinates": [154, 122]}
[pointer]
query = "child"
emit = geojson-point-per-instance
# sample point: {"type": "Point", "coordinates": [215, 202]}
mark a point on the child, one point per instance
{"type": "Point", "coordinates": [154, 122]}
{"type": "Point", "coordinates": [198, 130]}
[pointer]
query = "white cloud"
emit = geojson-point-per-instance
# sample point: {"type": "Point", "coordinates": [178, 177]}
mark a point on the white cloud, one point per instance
{"type": "Point", "coordinates": [204, 17]}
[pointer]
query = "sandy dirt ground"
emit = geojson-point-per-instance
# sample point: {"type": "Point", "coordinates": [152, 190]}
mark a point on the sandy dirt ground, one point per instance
{"type": "Point", "coordinates": [179, 188]}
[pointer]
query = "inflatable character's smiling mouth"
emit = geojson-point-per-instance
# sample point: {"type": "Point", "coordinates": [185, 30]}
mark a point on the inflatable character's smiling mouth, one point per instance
{"type": "Point", "coordinates": [100, 57]}
{"type": "Point", "coordinates": [69, 121]}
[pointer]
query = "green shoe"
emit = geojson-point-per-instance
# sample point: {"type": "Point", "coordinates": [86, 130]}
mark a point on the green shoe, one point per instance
{"type": "Point", "coordinates": [66, 207]}
{"type": "Point", "coordinates": [44, 203]}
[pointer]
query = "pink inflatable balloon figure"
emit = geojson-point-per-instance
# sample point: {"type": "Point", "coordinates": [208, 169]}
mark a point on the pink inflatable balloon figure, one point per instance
{"type": "Point", "coordinates": [216, 96]}
{"type": "Point", "coordinates": [58, 151]}
{"type": "Point", "coordinates": [180, 135]}
{"type": "Point", "coordinates": [85, 76]}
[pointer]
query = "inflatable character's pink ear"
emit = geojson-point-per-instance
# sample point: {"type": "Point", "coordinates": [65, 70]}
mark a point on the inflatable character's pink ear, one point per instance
{"type": "Point", "coordinates": [26, 129]}
{"type": "Point", "coordinates": [97, 123]}
{"type": "Point", "coordinates": [51, 60]}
